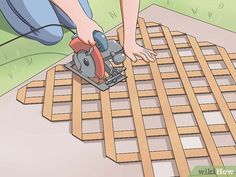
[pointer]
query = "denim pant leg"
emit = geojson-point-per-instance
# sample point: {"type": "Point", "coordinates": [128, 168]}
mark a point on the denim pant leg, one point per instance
{"type": "Point", "coordinates": [65, 20]}
{"type": "Point", "coordinates": [26, 15]}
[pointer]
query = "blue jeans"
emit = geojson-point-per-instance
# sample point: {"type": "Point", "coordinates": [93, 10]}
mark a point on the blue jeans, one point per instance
{"type": "Point", "coordinates": [25, 15]}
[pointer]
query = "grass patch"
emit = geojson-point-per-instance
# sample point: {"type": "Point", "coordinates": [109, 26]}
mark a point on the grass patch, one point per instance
{"type": "Point", "coordinates": [12, 74]}
{"type": "Point", "coordinates": [24, 58]}
{"type": "Point", "coordinates": [218, 12]}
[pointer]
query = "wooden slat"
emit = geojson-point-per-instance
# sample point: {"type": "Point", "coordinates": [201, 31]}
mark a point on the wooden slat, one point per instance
{"type": "Point", "coordinates": [168, 155]}
{"type": "Point", "coordinates": [181, 45]}
{"type": "Point", "coordinates": [152, 24]}
{"type": "Point", "coordinates": [205, 132]}
{"type": "Point", "coordinates": [227, 150]}
{"type": "Point", "coordinates": [109, 139]}
{"type": "Point", "coordinates": [227, 61]}
{"type": "Point", "coordinates": [34, 100]}
{"type": "Point", "coordinates": [159, 34]}
{"type": "Point", "coordinates": [36, 84]}
{"type": "Point", "coordinates": [76, 107]}
{"type": "Point", "coordinates": [61, 68]}
{"type": "Point", "coordinates": [175, 141]}
{"type": "Point", "coordinates": [157, 132]}
{"type": "Point", "coordinates": [21, 95]}
{"type": "Point", "coordinates": [124, 94]}
{"type": "Point", "coordinates": [137, 116]}
{"type": "Point", "coordinates": [145, 112]}
{"type": "Point", "coordinates": [63, 82]}
{"type": "Point", "coordinates": [174, 75]}
{"type": "Point", "coordinates": [61, 117]}
{"type": "Point", "coordinates": [229, 119]}
{"type": "Point", "coordinates": [154, 111]}
{"type": "Point", "coordinates": [49, 92]}
{"type": "Point", "coordinates": [185, 59]}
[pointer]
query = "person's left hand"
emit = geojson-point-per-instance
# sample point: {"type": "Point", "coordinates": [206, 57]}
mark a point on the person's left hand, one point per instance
{"type": "Point", "coordinates": [134, 50]}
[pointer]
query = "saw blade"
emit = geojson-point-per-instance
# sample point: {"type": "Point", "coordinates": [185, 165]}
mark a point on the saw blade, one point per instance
{"type": "Point", "coordinates": [85, 64]}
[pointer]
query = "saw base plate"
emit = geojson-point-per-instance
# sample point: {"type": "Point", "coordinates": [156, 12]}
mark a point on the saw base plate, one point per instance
{"type": "Point", "coordinates": [104, 85]}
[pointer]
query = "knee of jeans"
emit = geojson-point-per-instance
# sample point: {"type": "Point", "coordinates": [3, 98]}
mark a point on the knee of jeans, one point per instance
{"type": "Point", "coordinates": [50, 35]}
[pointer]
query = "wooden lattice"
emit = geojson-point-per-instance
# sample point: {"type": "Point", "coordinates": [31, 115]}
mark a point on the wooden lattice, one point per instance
{"type": "Point", "coordinates": [149, 81]}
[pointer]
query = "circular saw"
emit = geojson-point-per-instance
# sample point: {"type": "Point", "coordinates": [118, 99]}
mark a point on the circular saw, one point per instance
{"type": "Point", "coordinates": [95, 63]}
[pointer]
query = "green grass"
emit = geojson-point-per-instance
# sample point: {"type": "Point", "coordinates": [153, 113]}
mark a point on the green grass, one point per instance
{"type": "Point", "coordinates": [25, 58]}
{"type": "Point", "coordinates": [217, 12]}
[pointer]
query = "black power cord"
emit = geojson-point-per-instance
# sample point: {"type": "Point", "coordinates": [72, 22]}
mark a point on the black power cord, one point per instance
{"type": "Point", "coordinates": [37, 29]}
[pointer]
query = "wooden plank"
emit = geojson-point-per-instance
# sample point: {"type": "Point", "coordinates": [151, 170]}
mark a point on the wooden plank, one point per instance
{"type": "Point", "coordinates": [174, 75]}
{"type": "Point", "coordinates": [109, 139]}
{"type": "Point", "coordinates": [175, 141]}
{"type": "Point", "coordinates": [76, 107]}
{"type": "Point", "coordinates": [61, 68]}
{"type": "Point", "coordinates": [21, 95]}
{"type": "Point", "coordinates": [227, 150]}
{"type": "Point", "coordinates": [92, 136]}
{"type": "Point", "coordinates": [153, 34]}
{"type": "Point", "coordinates": [168, 155]}
{"type": "Point", "coordinates": [227, 61]}
{"type": "Point", "coordinates": [63, 98]}
{"type": "Point", "coordinates": [124, 94]}
{"type": "Point", "coordinates": [229, 119]}
{"type": "Point", "coordinates": [36, 84]}
{"type": "Point", "coordinates": [205, 132]}
{"type": "Point", "coordinates": [34, 100]}
{"type": "Point", "coordinates": [185, 59]}
{"type": "Point", "coordinates": [156, 132]}
{"type": "Point", "coordinates": [61, 117]}
{"type": "Point", "coordinates": [63, 82]}
{"type": "Point", "coordinates": [152, 24]}
{"type": "Point", "coordinates": [145, 112]}
{"type": "Point", "coordinates": [49, 92]}
{"type": "Point", "coordinates": [92, 115]}
{"type": "Point", "coordinates": [180, 45]}
{"type": "Point", "coordinates": [137, 116]}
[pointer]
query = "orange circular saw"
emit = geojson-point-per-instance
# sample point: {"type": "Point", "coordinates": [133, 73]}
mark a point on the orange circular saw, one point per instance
{"type": "Point", "coordinates": [92, 62]}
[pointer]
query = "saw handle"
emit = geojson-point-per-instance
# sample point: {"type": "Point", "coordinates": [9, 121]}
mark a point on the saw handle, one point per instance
{"type": "Point", "coordinates": [101, 40]}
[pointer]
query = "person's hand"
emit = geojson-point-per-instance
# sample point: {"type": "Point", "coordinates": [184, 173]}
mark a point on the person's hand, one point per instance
{"type": "Point", "coordinates": [133, 50]}
{"type": "Point", "coordinates": [85, 30]}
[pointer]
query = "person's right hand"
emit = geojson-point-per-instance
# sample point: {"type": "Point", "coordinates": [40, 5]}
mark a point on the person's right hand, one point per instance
{"type": "Point", "coordinates": [85, 30]}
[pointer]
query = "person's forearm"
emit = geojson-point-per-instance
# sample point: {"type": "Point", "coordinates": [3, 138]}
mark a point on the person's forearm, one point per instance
{"type": "Point", "coordinates": [130, 9]}
{"type": "Point", "coordinates": [73, 9]}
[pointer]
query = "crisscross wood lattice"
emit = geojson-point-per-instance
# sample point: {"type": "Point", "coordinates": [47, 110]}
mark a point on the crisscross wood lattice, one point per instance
{"type": "Point", "coordinates": [133, 94]}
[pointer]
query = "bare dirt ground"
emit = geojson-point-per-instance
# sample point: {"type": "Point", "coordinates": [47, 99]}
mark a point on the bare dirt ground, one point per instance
{"type": "Point", "coordinates": [32, 146]}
